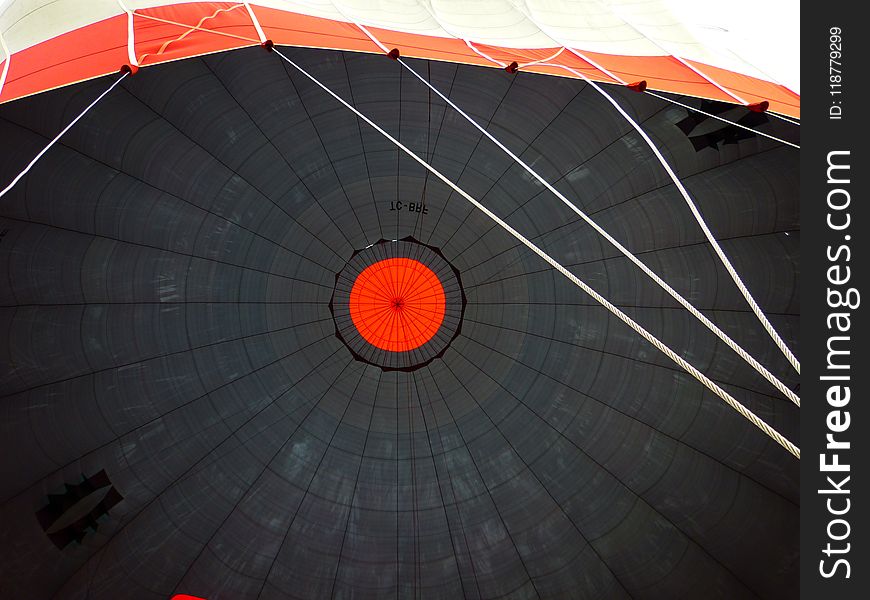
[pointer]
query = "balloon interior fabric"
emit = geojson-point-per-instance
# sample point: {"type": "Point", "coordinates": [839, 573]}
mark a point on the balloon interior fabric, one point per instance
{"type": "Point", "coordinates": [398, 303]}
{"type": "Point", "coordinates": [51, 43]}
{"type": "Point", "coordinates": [254, 351]}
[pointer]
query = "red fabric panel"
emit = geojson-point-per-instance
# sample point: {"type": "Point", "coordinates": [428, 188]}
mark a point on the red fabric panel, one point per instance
{"type": "Point", "coordinates": [101, 48]}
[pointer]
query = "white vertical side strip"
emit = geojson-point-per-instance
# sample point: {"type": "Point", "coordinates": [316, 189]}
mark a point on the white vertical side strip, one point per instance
{"type": "Point", "coordinates": [710, 384]}
{"type": "Point", "coordinates": [58, 136]}
{"type": "Point", "coordinates": [711, 115]}
{"type": "Point", "coordinates": [256, 22]}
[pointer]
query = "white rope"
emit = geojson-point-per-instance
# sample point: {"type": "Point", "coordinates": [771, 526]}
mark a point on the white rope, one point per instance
{"type": "Point", "coordinates": [698, 110]}
{"type": "Point", "coordinates": [717, 248]}
{"type": "Point", "coordinates": [430, 9]}
{"type": "Point", "coordinates": [387, 50]}
{"type": "Point", "coordinates": [728, 266]}
{"type": "Point", "coordinates": [705, 77]}
{"type": "Point", "coordinates": [543, 60]}
{"type": "Point", "coordinates": [59, 135]}
{"type": "Point", "coordinates": [709, 235]}
{"type": "Point", "coordinates": [658, 43]}
{"type": "Point", "coordinates": [6, 61]}
{"type": "Point", "coordinates": [198, 27]}
{"type": "Point", "coordinates": [370, 36]}
{"type": "Point", "coordinates": [711, 385]}
{"type": "Point", "coordinates": [545, 63]}
{"type": "Point", "coordinates": [484, 55]}
{"type": "Point", "coordinates": [766, 75]}
{"type": "Point", "coordinates": [524, 8]}
{"type": "Point", "coordinates": [788, 393]}
{"type": "Point", "coordinates": [582, 56]}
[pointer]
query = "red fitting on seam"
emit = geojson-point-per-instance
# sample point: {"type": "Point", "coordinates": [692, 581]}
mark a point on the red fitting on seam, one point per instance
{"type": "Point", "coordinates": [394, 54]}
{"type": "Point", "coordinates": [131, 69]}
{"type": "Point", "coordinates": [637, 86]}
{"type": "Point", "coordinates": [512, 68]}
{"type": "Point", "coordinates": [758, 107]}
{"type": "Point", "coordinates": [268, 45]}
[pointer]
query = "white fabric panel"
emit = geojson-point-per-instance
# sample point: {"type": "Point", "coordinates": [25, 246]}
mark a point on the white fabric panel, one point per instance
{"type": "Point", "coordinates": [25, 23]}
{"type": "Point", "coordinates": [659, 25]}
{"type": "Point", "coordinates": [315, 8]}
{"type": "Point", "coordinates": [496, 22]}
{"type": "Point", "coordinates": [589, 25]}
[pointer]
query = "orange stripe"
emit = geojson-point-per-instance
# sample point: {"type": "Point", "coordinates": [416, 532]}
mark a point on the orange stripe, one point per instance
{"type": "Point", "coordinates": [100, 48]}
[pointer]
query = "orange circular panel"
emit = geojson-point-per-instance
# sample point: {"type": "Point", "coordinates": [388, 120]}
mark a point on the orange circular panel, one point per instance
{"type": "Point", "coordinates": [397, 304]}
